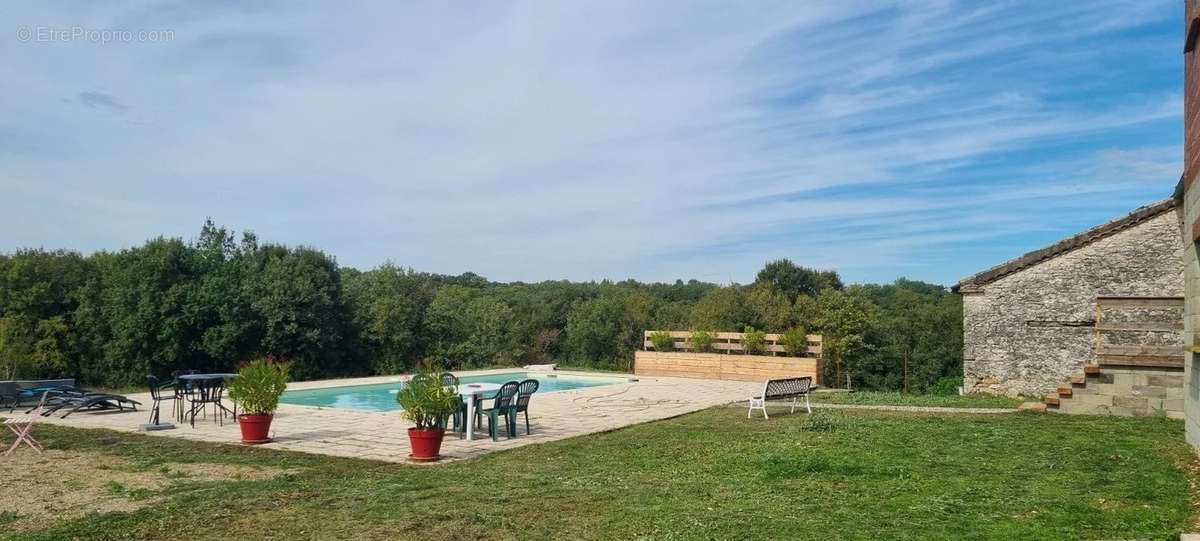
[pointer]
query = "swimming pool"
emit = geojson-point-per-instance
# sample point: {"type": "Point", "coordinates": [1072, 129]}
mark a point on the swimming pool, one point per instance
{"type": "Point", "coordinates": [382, 396]}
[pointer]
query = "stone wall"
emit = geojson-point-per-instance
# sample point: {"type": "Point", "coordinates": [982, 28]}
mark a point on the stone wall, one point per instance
{"type": "Point", "coordinates": [1191, 320]}
{"type": "Point", "coordinates": [1029, 331]}
{"type": "Point", "coordinates": [1129, 391]}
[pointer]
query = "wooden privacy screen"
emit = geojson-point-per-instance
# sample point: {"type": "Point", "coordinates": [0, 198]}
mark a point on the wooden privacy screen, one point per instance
{"type": "Point", "coordinates": [1157, 323]}
{"type": "Point", "coordinates": [731, 363]}
{"type": "Point", "coordinates": [731, 342]}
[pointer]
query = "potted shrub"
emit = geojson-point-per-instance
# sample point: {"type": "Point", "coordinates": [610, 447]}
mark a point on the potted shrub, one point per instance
{"type": "Point", "coordinates": [256, 390]}
{"type": "Point", "coordinates": [753, 340]}
{"type": "Point", "coordinates": [428, 404]}
{"type": "Point", "coordinates": [702, 341]}
{"type": "Point", "coordinates": [662, 340]}
{"type": "Point", "coordinates": [795, 342]}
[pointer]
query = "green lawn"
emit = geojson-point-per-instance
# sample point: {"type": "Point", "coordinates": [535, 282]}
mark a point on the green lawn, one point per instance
{"type": "Point", "coordinates": [708, 475]}
{"type": "Point", "coordinates": [879, 398]}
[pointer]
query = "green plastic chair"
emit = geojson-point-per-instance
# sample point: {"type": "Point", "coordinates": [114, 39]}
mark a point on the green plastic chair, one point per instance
{"type": "Point", "coordinates": [502, 404]}
{"type": "Point", "coordinates": [460, 413]}
{"type": "Point", "coordinates": [524, 393]}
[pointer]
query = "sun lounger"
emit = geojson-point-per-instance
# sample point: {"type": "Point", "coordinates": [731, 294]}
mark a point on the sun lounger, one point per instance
{"type": "Point", "coordinates": [74, 400]}
{"type": "Point", "coordinates": [15, 393]}
{"type": "Point", "coordinates": [10, 395]}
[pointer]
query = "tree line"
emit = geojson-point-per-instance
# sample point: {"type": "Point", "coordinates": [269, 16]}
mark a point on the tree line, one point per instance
{"type": "Point", "coordinates": [110, 318]}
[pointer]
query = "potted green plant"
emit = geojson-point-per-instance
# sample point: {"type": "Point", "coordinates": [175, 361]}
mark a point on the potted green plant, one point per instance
{"type": "Point", "coordinates": [753, 340]}
{"type": "Point", "coordinates": [662, 340]}
{"type": "Point", "coordinates": [256, 390]}
{"type": "Point", "coordinates": [428, 403]}
{"type": "Point", "coordinates": [795, 342]}
{"type": "Point", "coordinates": [702, 341]}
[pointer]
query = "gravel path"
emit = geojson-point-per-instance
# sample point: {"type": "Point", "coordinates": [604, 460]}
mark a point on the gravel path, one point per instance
{"type": "Point", "coordinates": [915, 409]}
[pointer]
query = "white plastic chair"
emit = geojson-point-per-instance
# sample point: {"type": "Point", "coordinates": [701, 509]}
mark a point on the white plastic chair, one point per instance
{"type": "Point", "coordinates": [23, 428]}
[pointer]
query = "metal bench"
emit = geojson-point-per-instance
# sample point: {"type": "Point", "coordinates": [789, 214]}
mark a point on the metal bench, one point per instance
{"type": "Point", "coordinates": [782, 389]}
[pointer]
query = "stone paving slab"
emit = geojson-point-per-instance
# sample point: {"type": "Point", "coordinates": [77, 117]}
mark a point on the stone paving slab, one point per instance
{"type": "Point", "coordinates": [382, 435]}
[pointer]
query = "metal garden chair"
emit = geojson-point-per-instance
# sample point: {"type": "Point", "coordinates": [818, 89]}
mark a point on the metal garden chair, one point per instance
{"type": "Point", "coordinates": [204, 392]}
{"type": "Point", "coordinates": [156, 393]}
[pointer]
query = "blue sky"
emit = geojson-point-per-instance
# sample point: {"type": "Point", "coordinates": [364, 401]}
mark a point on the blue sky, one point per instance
{"type": "Point", "coordinates": [571, 140]}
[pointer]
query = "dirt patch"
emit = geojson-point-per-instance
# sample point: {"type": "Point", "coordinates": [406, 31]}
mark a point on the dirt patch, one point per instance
{"type": "Point", "coordinates": [40, 489]}
{"type": "Point", "coordinates": [226, 472]}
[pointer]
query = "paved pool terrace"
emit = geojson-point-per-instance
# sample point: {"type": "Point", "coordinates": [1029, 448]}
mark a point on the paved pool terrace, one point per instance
{"type": "Point", "coordinates": [382, 435]}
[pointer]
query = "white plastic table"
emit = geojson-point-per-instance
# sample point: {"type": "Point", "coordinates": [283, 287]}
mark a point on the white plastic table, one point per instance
{"type": "Point", "coordinates": [468, 392]}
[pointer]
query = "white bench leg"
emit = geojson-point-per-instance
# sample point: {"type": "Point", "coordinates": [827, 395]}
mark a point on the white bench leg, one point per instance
{"type": "Point", "coordinates": [793, 405]}
{"type": "Point", "coordinates": [807, 405]}
{"type": "Point", "coordinates": [757, 405]}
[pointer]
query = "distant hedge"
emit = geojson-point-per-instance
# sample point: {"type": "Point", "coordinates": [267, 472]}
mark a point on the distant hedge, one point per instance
{"type": "Point", "coordinates": [110, 318]}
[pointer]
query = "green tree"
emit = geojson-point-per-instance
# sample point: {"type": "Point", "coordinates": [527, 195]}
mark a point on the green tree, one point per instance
{"type": "Point", "coordinates": [771, 309]}
{"type": "Point", "coordinates": [222, 299]}
{"type": "Point", "coordinates": [918, 337]}
{"type": "Point", "coordinates": [387, 307]}
{"type": "Point", "coordinates": [297, 296]}
{"type": "Point", "coordinates": [793, 280]}
{"type": "Point", "coordinates": [725, 309]}
{"type": "Point", "coordinates": [469, 329]}
{"type": "Point", "coordinates": [140, 312]}
{"type": "Point", "coordinates": [844, 319]}
{"type": "Point", "coordinates": [39, 295]}
{"type": "Point", "coordinates": [605, 331]}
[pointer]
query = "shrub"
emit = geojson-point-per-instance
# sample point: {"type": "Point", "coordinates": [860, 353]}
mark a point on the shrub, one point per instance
{"type": "Point", "coordinates": [946, 386]}
{"type": "Point", "coordinates": [662, 341]}
{"type": "Point", "coordinates": [259, 385]}
{"type": "Point", "coordinates": [426, 401]}
{"type": "Point", "coordinates": [753, 340]}
{"type": "Point", "coordinates": [820, 421]}
{"type": "Point", "coordinates": [702, 341]}
{"type": "Point", "coordinates": [795, 341]}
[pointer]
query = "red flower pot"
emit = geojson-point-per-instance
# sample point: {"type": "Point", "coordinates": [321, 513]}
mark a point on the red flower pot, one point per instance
{"type": "Point", "coordinates": [426, 444]}
{"type": "Point", "coordinates": [255, 428]}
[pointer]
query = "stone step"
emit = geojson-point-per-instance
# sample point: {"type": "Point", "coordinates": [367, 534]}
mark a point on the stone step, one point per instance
{"type": "Point", "coordinates": [1032, 406]}
{"type": "Point", "coordinates": [1091, 369]}
{"type": "Point", "coordinates": [1064, 391]}
{"type": "Point", "coordinates": [1051, 400]}
{"type": "Point", "coordinates": [1079, 379]}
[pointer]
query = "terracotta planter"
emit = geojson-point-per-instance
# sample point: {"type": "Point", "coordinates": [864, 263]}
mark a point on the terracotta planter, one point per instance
{"type": "Point", "coordinates": [426, 444]}
{"type": "Point", "coordinates": [255, 428]}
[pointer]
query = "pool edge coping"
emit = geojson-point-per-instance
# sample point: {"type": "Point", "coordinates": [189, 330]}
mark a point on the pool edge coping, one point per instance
{"type": "Point", "coordinates": [312, 385]}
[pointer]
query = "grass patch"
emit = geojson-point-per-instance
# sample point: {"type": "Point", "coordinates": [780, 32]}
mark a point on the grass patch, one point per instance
{"type": "Point", "coordinates": [881, 398]}
{"type": "Point", "coordinates": [710, 475]}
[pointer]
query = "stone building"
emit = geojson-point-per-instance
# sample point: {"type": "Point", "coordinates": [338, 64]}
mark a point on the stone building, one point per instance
{"type": "Point", "coordinates": [1093, 321]}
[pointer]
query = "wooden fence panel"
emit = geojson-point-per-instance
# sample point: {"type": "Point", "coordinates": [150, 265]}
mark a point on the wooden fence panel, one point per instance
{"type": "Point", "coordinates": [731, 343]}
{"type": "Point", "coordinates": [724, 366]}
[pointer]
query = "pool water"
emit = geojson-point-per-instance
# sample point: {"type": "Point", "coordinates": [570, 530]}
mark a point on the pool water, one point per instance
{"type": "Point", "coordinates": [382, 396]}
